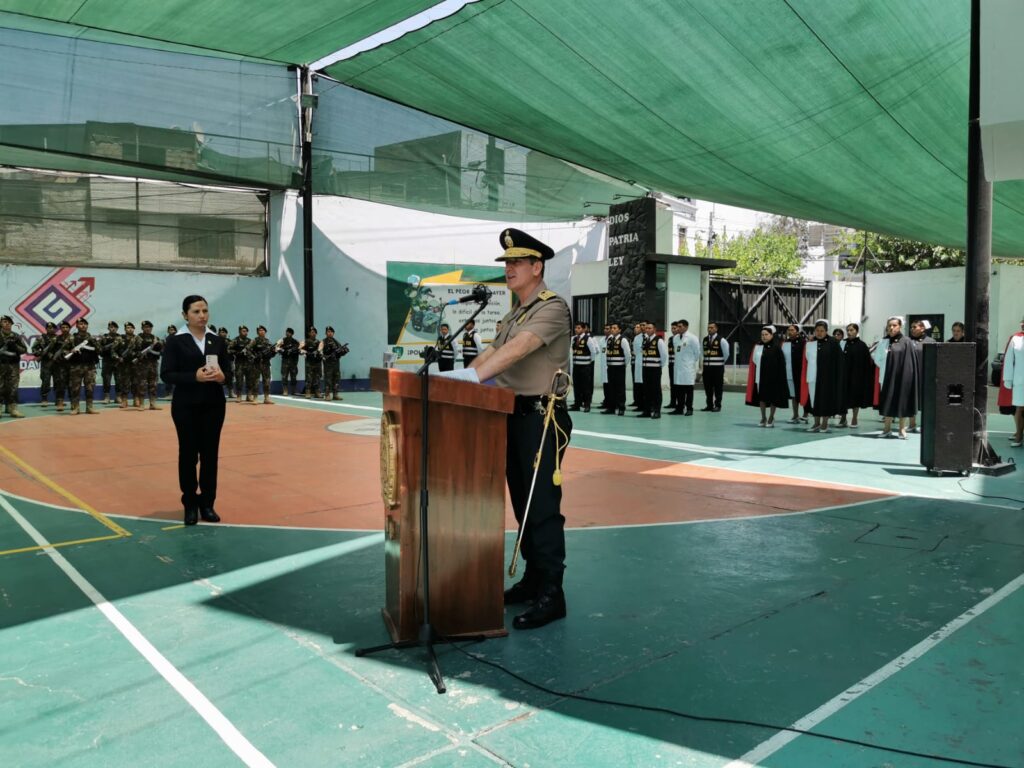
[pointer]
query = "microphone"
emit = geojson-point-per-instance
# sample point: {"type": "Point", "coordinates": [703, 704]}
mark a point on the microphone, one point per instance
{"type": "Point", "coordinates": [481, 294]}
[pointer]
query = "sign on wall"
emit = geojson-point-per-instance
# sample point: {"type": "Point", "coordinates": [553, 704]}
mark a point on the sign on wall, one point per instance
{"type": "Point", "coordinates": [418, 297]}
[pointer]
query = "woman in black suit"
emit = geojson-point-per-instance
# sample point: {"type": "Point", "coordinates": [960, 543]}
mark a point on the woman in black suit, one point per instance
{"type": "Point", "coordinates": [195, 362]}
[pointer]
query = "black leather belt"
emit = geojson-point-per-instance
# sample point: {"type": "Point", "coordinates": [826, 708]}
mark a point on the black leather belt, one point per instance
{"type": "Point", "coordinates": [526, 404]}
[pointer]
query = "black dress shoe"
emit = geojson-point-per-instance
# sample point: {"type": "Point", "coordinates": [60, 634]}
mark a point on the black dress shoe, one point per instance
{"type": "Point", "coordinates": [208, 515]}
{"type": "Point", "coordinates": [689, 412]}
{"type": "Point", "coordinates": [549, 607]}
{"type": "Point", "coordinates": [191, 515]}
{"type": "Point", "coordinates": [643, 415]}
{"type": "Point", "coordinates": [656, 415]}
{"type": "Point", "coordinates": [574, 407]}
{"type": "Point", "coordinates": [708, 408]}
{"type": "Point", "coordinates": [586, 409]}
{"type": "Point", "coordinates": [716, 409]}
{"type": "Point", "coordinates": [621, 412]}
{"type": "Point", "coordinates": [521, 592]}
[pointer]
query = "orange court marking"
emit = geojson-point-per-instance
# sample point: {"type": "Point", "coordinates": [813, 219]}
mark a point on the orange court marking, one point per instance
{"type": "Point", "coordinates": [282, 466]}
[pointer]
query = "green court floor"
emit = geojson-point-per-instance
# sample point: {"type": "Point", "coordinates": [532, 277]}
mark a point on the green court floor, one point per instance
{"type": "Point", "coordinates": [893, 629]}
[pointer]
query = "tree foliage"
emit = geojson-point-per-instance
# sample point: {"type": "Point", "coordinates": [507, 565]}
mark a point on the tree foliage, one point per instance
{"type": "Point", "coordinates": [760, 254]}
{"type": "Point", "coordinates": [887, 253]}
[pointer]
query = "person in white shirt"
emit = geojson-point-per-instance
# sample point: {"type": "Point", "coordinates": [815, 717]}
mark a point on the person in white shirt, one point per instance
{"type": "Point", "coordinates": [1011, 392]}
{"type": "Point", "coordinates": [638, 373]}
{"type": "Point", "coordinates": [684, 375]}
{"type": "Point", "coordinates": [470, 344]}
{"type": "Point", "coordinates": [715, 351]}
{"type": "Point", "coordinates": [654, 359]}
{"type": "Point", "coordinates": [617, 356]}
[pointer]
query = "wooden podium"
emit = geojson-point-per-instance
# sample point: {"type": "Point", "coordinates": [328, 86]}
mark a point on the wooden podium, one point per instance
{"type": "Point", "coordinates": [466, 485]}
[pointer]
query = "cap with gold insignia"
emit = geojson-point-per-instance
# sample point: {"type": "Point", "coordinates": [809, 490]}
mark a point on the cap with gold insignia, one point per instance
{"type": "Point", "coordinates": [519, 245]}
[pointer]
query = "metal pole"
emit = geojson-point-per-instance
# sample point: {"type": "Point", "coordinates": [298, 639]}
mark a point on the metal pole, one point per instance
{"type": "Point", "coordinates": [307, 197]}
{"type": "Point", "coordinates": [979, 241]}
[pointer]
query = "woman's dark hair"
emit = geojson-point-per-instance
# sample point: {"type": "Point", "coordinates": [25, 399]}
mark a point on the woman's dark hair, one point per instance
{"type": "Point", "coordinates": [189, 301]}
{"type": "Point", "coordinates": [854, 326]}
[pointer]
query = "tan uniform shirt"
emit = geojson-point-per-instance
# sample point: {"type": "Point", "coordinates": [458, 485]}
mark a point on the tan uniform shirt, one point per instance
{"type": "Point", "coordinates": [549, 320]}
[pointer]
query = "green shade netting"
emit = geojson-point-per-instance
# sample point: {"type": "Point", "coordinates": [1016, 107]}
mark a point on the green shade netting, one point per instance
{"type": "Point", "coordinates": [852, 113]}
{"type": "Point", "coordinates": [101, 107]}
{"type": "Point", "coordinates": [368, 148]}
{"type": "Point", "coordinates": [284, 31]}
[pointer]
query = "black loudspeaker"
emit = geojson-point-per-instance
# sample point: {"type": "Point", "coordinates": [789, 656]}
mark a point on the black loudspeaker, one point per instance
{"type": "Point", "coordinates": [947, 418]}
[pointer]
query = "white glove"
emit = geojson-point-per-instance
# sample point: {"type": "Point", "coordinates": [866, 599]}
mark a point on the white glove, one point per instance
{"type": "Point", "coordinates": [462, 374]}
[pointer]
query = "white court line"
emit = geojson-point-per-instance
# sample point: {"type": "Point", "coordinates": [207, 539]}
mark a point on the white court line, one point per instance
{"type": "Point", "coordinates": [767, 748]}
{"type": "Point", "coordinates": [223, 727]}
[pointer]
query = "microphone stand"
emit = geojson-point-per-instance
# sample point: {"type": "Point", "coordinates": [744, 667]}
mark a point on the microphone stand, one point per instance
{"type": "Point", "coordinates": [427, 634]}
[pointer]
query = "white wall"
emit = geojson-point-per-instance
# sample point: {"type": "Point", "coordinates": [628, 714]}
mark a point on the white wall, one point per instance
{"type": "Point", "coordinates": [845, 303]}
{"type": "Point", "coordinates": [942, 291]}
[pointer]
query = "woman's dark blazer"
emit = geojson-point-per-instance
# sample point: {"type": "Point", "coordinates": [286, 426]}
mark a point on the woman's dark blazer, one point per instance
{"type": "Point", "coordinates": [180, 361]}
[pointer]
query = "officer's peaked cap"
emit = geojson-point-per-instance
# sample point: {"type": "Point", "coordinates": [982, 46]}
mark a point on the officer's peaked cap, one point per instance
{"type": "Point", "coordinates": [519, 245]}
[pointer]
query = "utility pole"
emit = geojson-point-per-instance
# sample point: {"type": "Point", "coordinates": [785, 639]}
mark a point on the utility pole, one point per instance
{"type": "Point", "coordinates": [307, 103]}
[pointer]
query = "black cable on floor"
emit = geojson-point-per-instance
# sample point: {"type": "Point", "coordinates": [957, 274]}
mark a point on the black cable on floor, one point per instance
{"type": "Point", "coordinates": [722, 720]}
{"type": "Point", "coordinates": [985, 496]}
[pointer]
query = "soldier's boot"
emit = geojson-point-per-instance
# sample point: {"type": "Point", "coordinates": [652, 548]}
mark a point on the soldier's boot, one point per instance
{"type": "Point", "coordinates": [60, 404]}
{"type": "Point", "coordinates": [250, 398]}
{"type": "Point", "coordinates": [44, 403]}
{"type": "Point", "coordinates": [153, 406]}
{"type": "Point", "coordinates": [238, 397]}
{"type": "Point", "coordinates": [14, 413]}
{"type": "Point", "coordinates": [309, 393]}
{"type": "Point", "coordinates": [74, 407]}
{"type": "Point", "coordinates": [267, 400]}
{"type": "Point", "coordinates": [139, 404]}
{"type": "Point", "coordinates": [122, 401]}
{"type": "Point", "coordinates": [89, 408]}
{"type": "Point", "coordinates": [106, 399]}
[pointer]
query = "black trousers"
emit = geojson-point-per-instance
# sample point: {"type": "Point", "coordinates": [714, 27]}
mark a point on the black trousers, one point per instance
{"type": "Point", "coordinates": [583, 385]}
{"type": "Point", "coordinates": [198, 426]}
{"type": "Point", "coordinates": [638, 392]}
{"type": "Point", "coordinates": [672, 402]}
{"type": "Point", "coordinates": [714, 380]}
{"type": "Point", "coordinates": [446, 364]}
{"type": "Point", "coordinates": [617, 387]}
{"type": "Point", "coordinates": [652, 390]}
{"type": "Point", "coordinates": [683, 396]}
{"type": "Point", "coordinates": [543, 545]}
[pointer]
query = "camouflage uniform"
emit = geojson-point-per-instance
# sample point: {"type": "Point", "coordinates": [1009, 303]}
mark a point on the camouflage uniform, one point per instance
{"type": "Point", "coordinates": [261, 351]}
{"type": "Point", "coordinates": [12, 347]}
{"type": "Point", "coordinates": [61, 368]}
{"type": "Point", "coordinates": [333, 351]}
{"type": "Point", "coordinates": [125, 353]}
{"type": "Point", "coordinates": [108, 366]}
{"type": "Point", "coordinates": [238, 348]}
{"type": "Point", "coordinates": [146, 367]}
{"type": "Point", "coordinates": [41, 352]}
{"type": "Point", "coordinates": [83, 367]}
{"type": "Point", "coordinates": [314, 369]}
{"type": "Point", "coordinates": [289, 349]}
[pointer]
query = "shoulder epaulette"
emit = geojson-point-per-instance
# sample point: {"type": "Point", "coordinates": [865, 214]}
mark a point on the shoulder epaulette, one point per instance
{"type": "Point", "coordinates": [545, 295]}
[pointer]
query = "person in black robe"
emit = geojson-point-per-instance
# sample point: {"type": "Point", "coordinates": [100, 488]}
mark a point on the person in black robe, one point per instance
{"type": "Point", "coordinates": [899, 361]}
{"type": "Point", "coordinates": [860, 375]}
{"type": "Point", "coordinates": [920, 334]}
{"type": "Point", "coordinates": [796, 340]}
{"type": "Point", "coordinates": [823, 377]}
{"type": "Point", "coordinates": [767, 386]}
{"type": "Point", "coordinates": [959, 333]}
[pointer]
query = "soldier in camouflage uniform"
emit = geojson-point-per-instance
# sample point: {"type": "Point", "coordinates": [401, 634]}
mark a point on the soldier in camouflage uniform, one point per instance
{"type": "Point", "coordinates": [82, 352]}
{"type": "Point", "coordinates": [60, 367]}
{"type": "Point", "coordinates": [332, 350]}
{"type": "Point", "coordinates": [146, 364]}
{"type": "Point", "coordinates": [41, 352]}
{"type": "Point", "coordinates": [238, 348]}
{"type": "Point", "coordinates": [314, 369]}
{"type": "Point", "coordinates": [289, 348]}
{"type": "Point", "coordinates": [107, 343]}
{"type": "Point", "coordinates": [125, 353]}
{"type": "Point", "coordinates": [12, 347]}
{"type": "Point", "coordinates": [229, 375]}
{"type": "Point", "coordinates": [169, 388]}
{"type": "Point", "coordinates": [262, 351]}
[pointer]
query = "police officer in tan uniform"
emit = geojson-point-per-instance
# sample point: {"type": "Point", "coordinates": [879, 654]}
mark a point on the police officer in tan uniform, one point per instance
{"type": "Point", "coordinates": [531, 347]}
